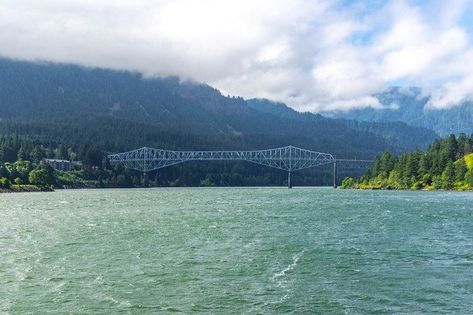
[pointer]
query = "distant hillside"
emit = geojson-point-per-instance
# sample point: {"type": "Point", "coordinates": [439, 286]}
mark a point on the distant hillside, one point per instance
{"type": "Point", "coordinates": [399, 136]}
{"type": "Point", "coordinates": [122, 110]}
{"type": "Point", "coordinates": [409, 107]}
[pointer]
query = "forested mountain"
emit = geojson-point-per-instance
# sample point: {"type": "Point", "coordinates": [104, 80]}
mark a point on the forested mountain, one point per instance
{"type": "Point", "coordinates": [98, 102]}
{"type": "Point", "coordinates": [398, 136]}
{"type": "Point", "coordinates": [62, 109]}
{"type": "Point", "coordinates": [408, 105]}
{"type": "Point", "coordinates": [447, 164]}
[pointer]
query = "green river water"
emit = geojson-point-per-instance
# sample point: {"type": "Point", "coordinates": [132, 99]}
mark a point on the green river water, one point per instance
{"type": "Point", "coordinates": [236, 250]}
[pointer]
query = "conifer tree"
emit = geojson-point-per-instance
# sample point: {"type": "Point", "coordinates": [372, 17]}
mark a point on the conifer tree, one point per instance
{"type": "Point", "coordinates": [460, 169]}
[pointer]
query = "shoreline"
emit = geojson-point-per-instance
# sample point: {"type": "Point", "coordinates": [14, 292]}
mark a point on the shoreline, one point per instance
{"type": "Point", "coordinates": [24, 188]}
{"type": "Point", "coordinates": [32, 188]}
{"type": "Point", "coordinates": [395, 189]}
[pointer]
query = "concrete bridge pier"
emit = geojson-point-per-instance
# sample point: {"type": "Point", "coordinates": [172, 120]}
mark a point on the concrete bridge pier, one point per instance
{"type": "Point", "coordinates": [335, 174]}
{"type": "Point", "coordinates": [145, 180]}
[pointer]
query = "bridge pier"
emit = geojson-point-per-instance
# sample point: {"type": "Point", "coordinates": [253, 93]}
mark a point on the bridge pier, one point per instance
{"type": "Point", "coordinates": [335, 174]}
{"type": "Point", "coordinates": [145, 180]}
{"type": "Point", "coordinates": [289, 184]}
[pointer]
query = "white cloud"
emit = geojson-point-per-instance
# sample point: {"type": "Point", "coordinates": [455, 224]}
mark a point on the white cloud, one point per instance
{"type": "Point", "coordinates": [312, 54]}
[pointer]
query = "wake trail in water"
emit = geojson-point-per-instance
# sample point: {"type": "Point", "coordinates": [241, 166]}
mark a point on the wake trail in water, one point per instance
{"type": "Point", "coordinates": [281, 275]}
{"type": "Point", "coordinates": [290, 267]}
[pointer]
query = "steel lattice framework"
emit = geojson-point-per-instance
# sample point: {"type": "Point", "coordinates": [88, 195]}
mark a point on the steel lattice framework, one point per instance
{"type": "Point", "coordinates": [288, 158]}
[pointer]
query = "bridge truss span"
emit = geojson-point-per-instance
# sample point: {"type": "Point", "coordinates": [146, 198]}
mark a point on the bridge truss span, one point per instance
{"type": "Point", "coordinates": [288, 158]}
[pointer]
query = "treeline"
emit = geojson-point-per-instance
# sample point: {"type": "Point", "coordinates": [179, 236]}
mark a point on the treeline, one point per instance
{"type": "Point", "coordinates": [447, 164]}
{"type": "Point", "coordinates": [21, 163]}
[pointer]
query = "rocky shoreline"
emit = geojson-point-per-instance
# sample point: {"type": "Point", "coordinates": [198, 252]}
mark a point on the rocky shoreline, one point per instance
{"type": "Point", "coordinates": [25, 188]}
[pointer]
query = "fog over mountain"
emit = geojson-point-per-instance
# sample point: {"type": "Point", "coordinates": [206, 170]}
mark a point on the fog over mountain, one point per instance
{"type": "Point", "coordinates": [411, 106]}
{"type": "Point", "coordinates": [314, 55]}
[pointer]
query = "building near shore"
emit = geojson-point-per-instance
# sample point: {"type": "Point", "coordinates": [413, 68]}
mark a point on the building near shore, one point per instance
{"type": "Point", "coordinates": [63, 165]}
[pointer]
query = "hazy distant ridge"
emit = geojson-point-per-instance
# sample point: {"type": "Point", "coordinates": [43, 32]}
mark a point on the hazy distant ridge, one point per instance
{"type": "Point", "coordinates": [407, 105]}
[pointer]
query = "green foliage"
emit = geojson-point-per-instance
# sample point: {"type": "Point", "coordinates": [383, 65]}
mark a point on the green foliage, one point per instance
{"type": "Point", "coordinates": [460, 169]}
{"type": "Point", "coordinates": [39, 177]}
{"type": "Point", "coordinates": [448, 176]}
{"type": "Point", "coordinates": [4, 183]}
{"type": "Point", "coordinates": [469, 177]}
{"type": "Point", "coordinates": [469, 161]}
{"type": "Point", "coordinates": [347, 182]}
{"type": "Point", "coordinates": [447, 164]}
{"type": "Point", "coordinates": [71, 178]}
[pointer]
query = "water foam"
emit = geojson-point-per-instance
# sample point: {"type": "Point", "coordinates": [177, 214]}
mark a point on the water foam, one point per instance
{"type": "Point", "coordinates": [290, 267]}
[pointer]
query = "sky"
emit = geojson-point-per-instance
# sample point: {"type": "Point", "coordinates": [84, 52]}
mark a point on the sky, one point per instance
{"type": "Point", "coordinates": [314, 55]}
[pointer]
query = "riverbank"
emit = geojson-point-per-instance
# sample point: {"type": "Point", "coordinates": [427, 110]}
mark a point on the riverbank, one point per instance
{"type": "Point", "coordinates": [416, 187]}
{"type": "Point", "coordinates": [25, 188]}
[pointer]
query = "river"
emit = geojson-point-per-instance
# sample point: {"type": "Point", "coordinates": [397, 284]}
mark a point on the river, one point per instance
{"type": "Point", "coordinates": [236, 250]}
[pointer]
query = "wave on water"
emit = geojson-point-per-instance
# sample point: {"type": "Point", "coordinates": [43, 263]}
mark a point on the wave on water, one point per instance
{"type": "Point", "coordinates": [295, 260]}
{"type": "Point", "coordinates": [279, 276]}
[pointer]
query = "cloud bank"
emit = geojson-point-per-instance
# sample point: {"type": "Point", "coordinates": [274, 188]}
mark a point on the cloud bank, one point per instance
{"type": "Point", "coordinates": [311, 54]}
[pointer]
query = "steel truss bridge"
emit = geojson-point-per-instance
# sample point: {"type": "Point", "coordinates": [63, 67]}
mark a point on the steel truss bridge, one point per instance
{"type": "Point", "coordinates": [289, 159]}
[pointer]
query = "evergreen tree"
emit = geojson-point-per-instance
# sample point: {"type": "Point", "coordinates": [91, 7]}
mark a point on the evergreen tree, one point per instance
{"type": "Point", "coordinates": [386, 164]}
{"type": "Point", "coordinates": [412, 167]}
{"type": "Point", "coordinates": [448, 176]}
{"type": "Point", "coordinates": [469, 178]}
{"type": "Point", "coordinates": [37, 154]}
{"type": "Point", "coordinates": [425, 165]}
{"type": "Point", "coordinates": [449, 150]}
{"type": "Point", "coordinates": [21, 155]}
{"type": "Point", "coordinates": [460, 169]}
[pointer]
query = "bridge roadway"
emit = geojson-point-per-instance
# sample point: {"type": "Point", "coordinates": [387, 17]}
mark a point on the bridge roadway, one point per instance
{"type": "Point", "coordinates": [289, 158]}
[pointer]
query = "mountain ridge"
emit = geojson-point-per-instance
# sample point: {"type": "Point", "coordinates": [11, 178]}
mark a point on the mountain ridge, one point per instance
{"type": "Point", "coordinates": [37, 94]}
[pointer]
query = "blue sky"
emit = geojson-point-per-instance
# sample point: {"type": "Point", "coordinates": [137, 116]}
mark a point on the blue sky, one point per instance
{"type": "Point", "coordinates": [311, 54]}
{"type": "Point", "coordinates": [467, 18]}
